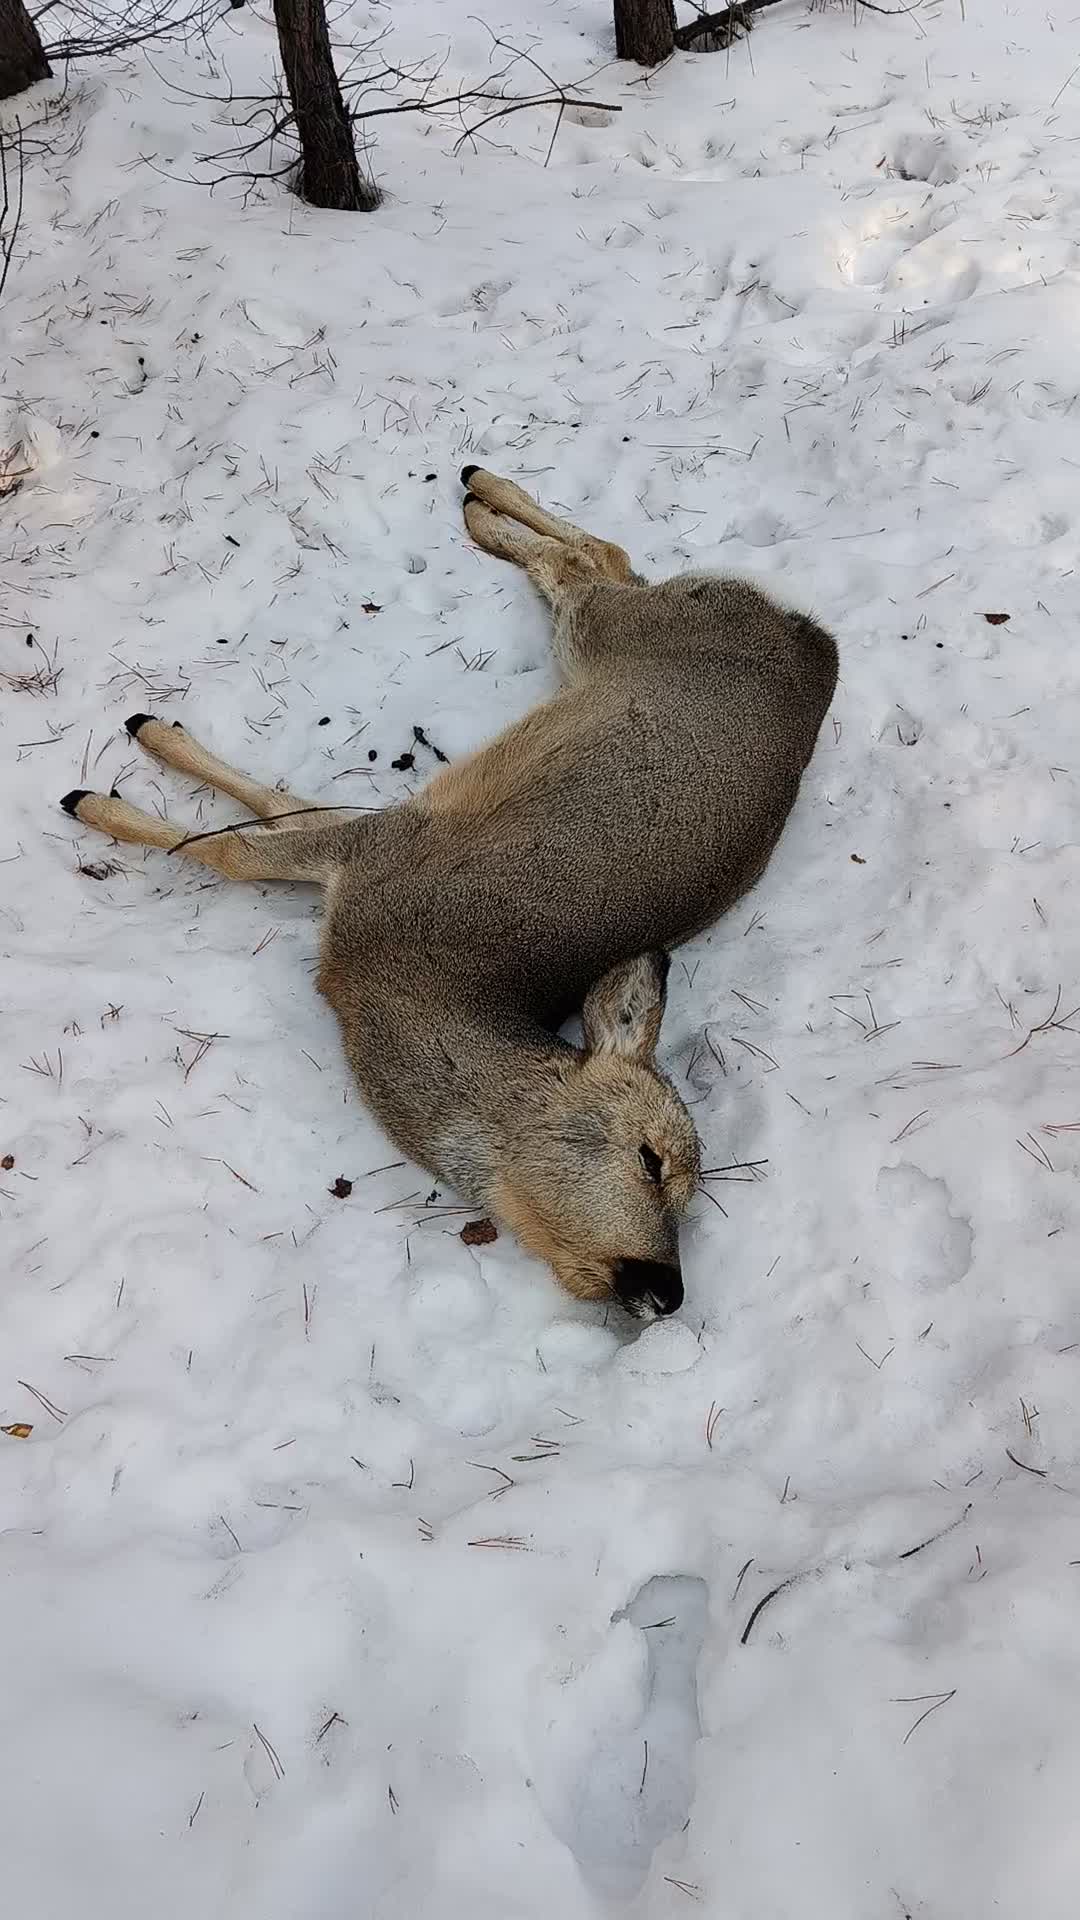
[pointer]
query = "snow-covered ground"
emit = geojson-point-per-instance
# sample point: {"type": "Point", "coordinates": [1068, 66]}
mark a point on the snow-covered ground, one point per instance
{"type": "Point", "coordinates": [352, 1573]}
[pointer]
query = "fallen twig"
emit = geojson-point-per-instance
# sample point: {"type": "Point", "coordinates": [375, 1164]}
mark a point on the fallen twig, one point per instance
{"type": "Point", "coordinates": [271, 1753]}
{"type": "Point", "coordinates": [1041, 1473]}
{"type": "Point", "coordinates": [761, 1605]}
{"type": "Point", "coordinates": [912, 1699]}
{"type": "Point", "coordinates": [711, 32]}
{"type": "Point", "coordinates": [910, 1552]}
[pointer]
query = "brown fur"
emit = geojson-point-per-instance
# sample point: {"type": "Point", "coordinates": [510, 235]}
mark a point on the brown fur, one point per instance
{"type": "Point", "coordinates": [549, 872]}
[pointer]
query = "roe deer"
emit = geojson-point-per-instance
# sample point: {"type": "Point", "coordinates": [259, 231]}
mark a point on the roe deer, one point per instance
{"type": "Point", "coordinates": [550, 871]}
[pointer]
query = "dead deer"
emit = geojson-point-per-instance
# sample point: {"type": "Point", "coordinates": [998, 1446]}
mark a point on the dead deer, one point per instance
{"type": "Point", "coordinates": [549, 872]}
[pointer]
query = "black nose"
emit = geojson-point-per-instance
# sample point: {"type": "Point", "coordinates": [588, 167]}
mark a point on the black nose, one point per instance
{"type": "Point", "coordinates": [648, 1286]}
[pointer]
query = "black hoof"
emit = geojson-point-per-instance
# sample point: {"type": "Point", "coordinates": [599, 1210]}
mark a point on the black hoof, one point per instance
{"type": "Point", "coordinates": [136, 724]}
{"type": "Point", "coordinates": [70, 801]}
{"type": "Point", "coordinates": [467, 474]}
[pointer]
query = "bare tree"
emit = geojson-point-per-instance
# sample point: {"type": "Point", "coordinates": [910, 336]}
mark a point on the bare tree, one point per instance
{"type": "Point", "coordinates": [329, 170]}
{"type": "Point", "coordinates": [22, 56]}
{"type": "Point", "coordinates": [645, 30]}
{"type": "Point", "coordinates": [374, 88]}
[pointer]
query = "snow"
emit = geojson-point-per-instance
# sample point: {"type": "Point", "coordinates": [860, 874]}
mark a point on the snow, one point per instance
{"type": "Point", "coordinates": [336, 1562]}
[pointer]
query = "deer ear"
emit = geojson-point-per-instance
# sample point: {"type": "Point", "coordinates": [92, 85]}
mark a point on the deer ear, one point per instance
{"type": "Point", "coordinates": [622, 1013]}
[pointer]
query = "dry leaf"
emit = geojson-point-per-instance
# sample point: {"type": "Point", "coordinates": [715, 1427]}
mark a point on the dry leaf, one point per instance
{"type": "Point", "coordinates": [19, 1430]}
{"type": "Point", "coordinates": [369, 606]}
{"type": "Point", "coordinates": [341, 1188]}
{"type": "Point", "coordinates": [7, 1162]}
{"type": "Point", "coordinates": [996, 619]}
{"type": "Point", "coordinates": [479, 1233]}
{"type": "Point", "coordinates": [858, 859]}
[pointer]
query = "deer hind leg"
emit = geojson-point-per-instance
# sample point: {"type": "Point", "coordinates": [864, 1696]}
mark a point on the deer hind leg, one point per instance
{"type": "Point", "coordinates": [505, 497]}
{"type": "Point", "coordinates": [284, 853]}
{"type": "Point", "coordinates": [287, 849]}
{"type": "Point", "coordinates": [175, 747]}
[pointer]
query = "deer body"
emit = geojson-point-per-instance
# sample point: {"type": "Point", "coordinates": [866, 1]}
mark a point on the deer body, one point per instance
{"type": "Point", "coordinates": [550, 871]}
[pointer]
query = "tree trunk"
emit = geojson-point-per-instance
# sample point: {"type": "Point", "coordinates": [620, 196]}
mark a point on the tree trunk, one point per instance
{"type": "Point", "coordinates": [329, 173]}
{"type": "Point", "coordinates": [645, 30]}
{"type": "Point", "coordinates": [22, 56]}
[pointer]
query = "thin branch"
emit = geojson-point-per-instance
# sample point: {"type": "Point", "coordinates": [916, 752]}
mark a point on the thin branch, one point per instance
{"type": "Point", "coordinates": [241, 826]}
{"type": "Point", "coordinates": [762, 1603]}
{"type": "Point", "coordinates": [9, 234]}
{"type": "Point", "coordinates": [131, 25]}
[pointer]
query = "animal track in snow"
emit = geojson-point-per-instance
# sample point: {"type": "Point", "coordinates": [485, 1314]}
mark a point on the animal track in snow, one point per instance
{"type": "Point", "coordinates": [938, 268]}
{"type": "Point", "coordinates": [761, 528]}
{"type": "Point", "coordinates": [625, 234]}
{"type": "Point", "coordinates": [889, 226]}
{"type": "Point", "coordinates": [923, 156]}
{"type": "Point", "coordinates": [617, 1777]}
{"type": "Point", "coordinates": [929, 1246]}
{"type": "Point", "coordinates": [901, 246]}
{"type": "Point", "coordinates": [481, 298]}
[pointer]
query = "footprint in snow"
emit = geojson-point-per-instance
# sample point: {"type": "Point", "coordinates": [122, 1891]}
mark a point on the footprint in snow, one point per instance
{"type": "Point", "coordinates": [925, 1244]}
{"type": "Point", "coordinates": [616, 1776]}
{"type": "Point", "coordinates": [923, 156]}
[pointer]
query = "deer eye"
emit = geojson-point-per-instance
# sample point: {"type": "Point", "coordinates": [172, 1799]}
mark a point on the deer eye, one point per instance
{"type": "Point", "coordinates": [652, 1163]}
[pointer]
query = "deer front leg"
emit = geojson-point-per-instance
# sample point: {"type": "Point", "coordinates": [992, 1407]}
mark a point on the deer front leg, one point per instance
{"type": "Point", "coordinates": [556, 568]}
{"type": "Point", "coordinates": [505, 497]}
